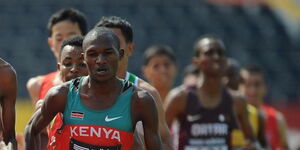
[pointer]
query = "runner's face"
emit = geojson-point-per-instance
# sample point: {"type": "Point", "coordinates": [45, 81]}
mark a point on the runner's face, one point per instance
{"type": "Point", "coordinates": [126, 46]}
{"type": "Point", "coordinates": [101, 56]}
{"type": "Point", "coordinates": [160, 71]}
{"type": "Point", "coordinates": [211, 59]}
{"type": "Point", "coordinates": [71, 63]}
{"type": "Point", "coordinates": [61, 31]}
{"type": "Point", "coordinates": [253, 87]}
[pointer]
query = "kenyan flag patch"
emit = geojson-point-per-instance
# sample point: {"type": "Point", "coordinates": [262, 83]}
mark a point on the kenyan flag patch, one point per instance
{"type": "Point", "coordinates": [77, 115]}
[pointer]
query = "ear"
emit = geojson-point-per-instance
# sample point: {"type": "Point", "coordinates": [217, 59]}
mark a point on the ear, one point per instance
{"type": "Point", "coordinates": [121, 53]}
{"type": "Point", "coordinates": [50, 42]}
{"type": "Point", "coordinates": [195, 60]}
{"type": "Point", "coordinates": [82, 55]}
{"type": "Point", "coordinates": [58, 65]}
{"type": "Point", "coordinates": [130, 48]}
{"type": "Point", "coordinates": [145, 72]}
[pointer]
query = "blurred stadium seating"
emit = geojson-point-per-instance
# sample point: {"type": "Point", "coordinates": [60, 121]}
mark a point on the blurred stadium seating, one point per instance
{"type": "Point", "coordinates": [252, 34]}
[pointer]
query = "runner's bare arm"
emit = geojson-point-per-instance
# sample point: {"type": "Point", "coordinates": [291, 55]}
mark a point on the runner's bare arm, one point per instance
{"type": "Point", "coordinates": [145, 110]}
{"type": "Point", "coordinates": [282, 130]}
{"type": "Point", "coordinates": [175, 105]}
{"type": "Point", "coordinates": [241, 112]}
{"type": "Point", "coordinates": [8, 86]}
{"type": "Point", "coordinates": [261, 137]}
{"type": "Point", "coordinates": [163, 127]}
{"type": "Point", "coordinates": [55, 101]}
{"type": "Point", "coordinates": [33, 86]}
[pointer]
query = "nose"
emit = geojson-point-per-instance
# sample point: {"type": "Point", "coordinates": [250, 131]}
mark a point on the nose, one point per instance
{"type": "Point", "coordinates": [74, 69]}
{"type": "Point", "coordinates": [163, 68]}
{"type": "Point", "coordinates": [216, 55]}
{"type": "Point", "coordinates": [252, 91]}
{"type": "Point", "coordinates": [100, 59]}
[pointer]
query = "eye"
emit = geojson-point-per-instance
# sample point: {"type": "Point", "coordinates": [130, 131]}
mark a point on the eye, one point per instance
{"type": "Point", "coordinates": [109, 51]}
{"type": "Point", "coordinates": [59, 39]}
{"type": "Point", "coordinates": [82, 65]}
{"type": "Point", "coordinates": [67, 64]}
{"type": "Point", "coordinates": [221, 52]}
{"type": "Point", "coordinates": [167, 65]}
{"type": "Point", "coordinates": [156, 66]}
{"type": "Point", "coordinates": [209, 53]}
{"type": "Point", "coordinates": [92, 54]}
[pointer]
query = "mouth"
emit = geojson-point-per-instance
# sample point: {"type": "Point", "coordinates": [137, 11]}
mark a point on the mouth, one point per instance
{"type": "Point", "coordinates": [217, 64]}
{"type": "Point", "coordinates": [102, 70]}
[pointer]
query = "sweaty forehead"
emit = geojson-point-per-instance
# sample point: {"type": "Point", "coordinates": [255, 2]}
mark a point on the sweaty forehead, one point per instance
{"type": "Point", "coordinates": [100, 42]}
{"type": "Point", "coordinates": [207, 44]}
{"type": "Point", "coordinates": [68, 50]}
{"type": "Point", "coordinates": [103, 37]}
{"type": "Point", "coordinates": [251, 75]}
{"type": "Point", "coordinates": [65, 27]}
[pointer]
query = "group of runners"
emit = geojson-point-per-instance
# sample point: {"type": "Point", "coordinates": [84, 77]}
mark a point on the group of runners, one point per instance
{"type": "Point", "coordinates": [91, 102]}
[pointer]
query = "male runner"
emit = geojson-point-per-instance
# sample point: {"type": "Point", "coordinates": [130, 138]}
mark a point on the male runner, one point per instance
{"type": "Point", "coordinates": [62, 24]}
{"type": "Point", "coordinates": [160, 68]}
{"type": "Point", "coordinates": [8, 94]}
{"type": "Point", "coordinates": [100, 110]}
{"type": "Point", "coordinates": [207, 111]}
{"type": "Point", "coordinates": [232, 80]}
{"type": "Point", "coordinates": [254, 88]}
{"type": "Point", "coordinates": [70, 66]}
{"type": "Point", "coordinates": [123, 30]}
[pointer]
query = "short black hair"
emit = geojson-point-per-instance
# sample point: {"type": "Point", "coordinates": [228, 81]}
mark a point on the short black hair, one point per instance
{"type": "Point", "coordinates": [117, 22]}
{"type": "Point", "coordinates": [233, 64]}
{"type": "Point", "coordinates": [100, 32]}
{"type": "Point", "coordinates": [254, 69]}
{"type": "Point", "coordinates": [159, 50]}
{"type": "Point", "coordinates": [206, 36]}
{"type": "Point", "coordinates": [71, 14]}
{"type": "Point", "coordinates": [191, 69]}
{"type": "Point", "coordinates": [75, 41]}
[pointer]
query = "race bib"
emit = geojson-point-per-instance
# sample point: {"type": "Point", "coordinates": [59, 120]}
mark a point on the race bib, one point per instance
{"type": "Point", "coordinates": [77, 145]}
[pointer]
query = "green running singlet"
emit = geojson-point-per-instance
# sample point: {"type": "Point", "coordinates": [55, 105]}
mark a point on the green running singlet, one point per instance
{"type": "Point", "coordinates": [84, 128]}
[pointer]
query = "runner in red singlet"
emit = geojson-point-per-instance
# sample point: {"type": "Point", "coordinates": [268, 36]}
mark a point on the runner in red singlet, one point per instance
{"type": "Point", "coordinates": [70, 66]}
{"type": "Point", "coordinates": [254, 88]}
{"type": "Point", "coordinates": [47, 83]}
{"type": "Point", "coordinates": [160, 68]}
{"type": "Point", "coordinates": [62, 24]}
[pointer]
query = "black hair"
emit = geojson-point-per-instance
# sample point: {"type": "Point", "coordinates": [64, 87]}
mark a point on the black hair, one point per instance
{"type": "Point", "coordinates": [231, 62]}
{"type": "Point", "coordinates": [158, 50]}
{"type": "Point", "coordinates": [75, 41]}
{"type": "Point", "coordinates": [191, 70]}
{"type": "Point", "coordinates": [254, 69]}
{"type": "Point", "coordinates": [117, 22]}
{"type": "Point", "coordinates": [100, 32]}
{"type": "Point", "coordinates": [71, 14]}
{"type": "Point", "coordinates": [206, 36]}
{"type": "Point", "coordinates": [233, 66]}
